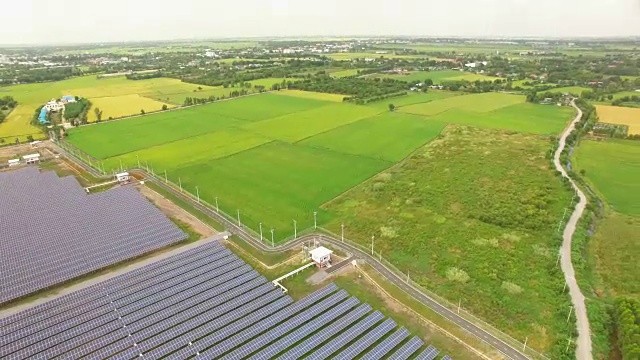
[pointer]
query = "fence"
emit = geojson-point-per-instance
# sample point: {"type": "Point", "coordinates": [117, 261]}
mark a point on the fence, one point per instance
{"type": "Point", "coordinates": [237, 224]}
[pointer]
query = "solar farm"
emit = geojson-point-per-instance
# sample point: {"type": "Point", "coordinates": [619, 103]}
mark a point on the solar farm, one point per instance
{"type": "Point", "coordinates": [53, 231]}
{"type": "Point", "coordinates": [204, 303]}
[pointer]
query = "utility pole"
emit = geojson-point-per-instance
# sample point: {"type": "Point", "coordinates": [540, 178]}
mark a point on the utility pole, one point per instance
{"type": "Point", "coordinates": [315, 220]}
{"type": "Point", "coordinates": [138, 158]}
{"type": "Point", "coordinates": [568, 344]}
{"type": "Point", "coordinates": [166, 181]}
{"type": "Point", "coordinates": [525, 344]}
{"type": "Point", "coordinates": [180, 183]}
{"type": "Point", "coordinates": [239, 224]}
{"type": "Point", "coordinates": [460, 303]}
{"type": "Point", "coordinates": [272, 237]}
{"type": "Point", "coordinates": [295, 230]}
{"type": "Point", "coordinates": [260, 232]}
{"type": "Point", "coordinates": [569, 316]}
{"type": "Point", "coordinates": [558, 260]}
{"type": "Point", "coordinates": [407, 276]}
{"type": "Point", "coordinates": [342, 227]}
{"type": "Point", "coordinates": [198, 194]}
{"type": "Point", "coordinates": [372, 238]}
{"type": "Point", "coordinates": [121, 168]}
{"type": "Point", "coordinates": [217, 208]}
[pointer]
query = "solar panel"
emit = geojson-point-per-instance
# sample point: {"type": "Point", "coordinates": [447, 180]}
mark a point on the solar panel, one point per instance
{"type": "Point", "coordinates": [366, 341]}
{"type": "Point", "coordinates": [407, 349]}
{"type": "Point", "coordinates": [347, 336]}
{"type": "Point", "coordinates": [429, 353]}
{"type": "Point", "coordinates": [284, 342]}
{"type": "Point", "coordinates": [447, 357]}
{"type": "Point", "coordinates": [326, 332]}
{"type": "Point", "coordinates": [100, 229]}
{"type": "Point", "coordinates": [387, 345]}
{"type": "Point", "coordinates": [258, 341]}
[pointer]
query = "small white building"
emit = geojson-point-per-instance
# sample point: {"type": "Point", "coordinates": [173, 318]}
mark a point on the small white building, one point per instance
{"type": "Point", "coordinates": [321, 256]}
{"type": "Point", "coordinates": [31, 158]}
{"type": "Point", "coordinates": [14, 162]}
{"type": "Point", "coordinates": [54, 105]}
{"type": "Point", "coordinates": [123, 178]}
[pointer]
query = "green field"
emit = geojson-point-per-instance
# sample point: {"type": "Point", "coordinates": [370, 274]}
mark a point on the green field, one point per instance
{"type": "Point", "coordinates": [615, 247]}
{"type": "Point", "coordinates": [370, 55]}
{"type": "Point", "coordinates": [268, 144]}
{"type": "Point", "coordinates": [115, 96]}
{"type": "Point", "coordinates": [476, 102]}
{"type": "Point", "coordinates": [438, 77]}
{"type": "Point", "coordinates": [613, 167]}
{"type": "Point", "coordinates": [574, 90]}
{"type": "Point", "coordinates": [471, 215]}
{"type": "Point", "coordinates": [345, 73]}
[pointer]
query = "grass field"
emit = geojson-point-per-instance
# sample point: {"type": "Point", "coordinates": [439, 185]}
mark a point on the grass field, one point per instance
{"type": "Point", "coordinates": [120, 93]}
{"type": "Point", "coordinates": [345, 73]}
{"type": "Point", "coordinates": [119, 106]}
{"type": "Point", "coordinates": [438, 77]}
{"type": "Point", "coordinates": [471, 215]}
{"type": "Point", "coordinates": [620, 115]}
{"type": "Point", "coordinates": [613, 167]}
{"type": "Point", "coordinates": [476, 102]}
{"type": "Point", "coordinates": [351, 56]}
{"type": "Point", "coordinates": [306, 144]}
{"type": "Point", "coordinates": [574, 90]}
{"type": "Point", "coordinates": [311, 95]}
{"type": "Point", "coordinates": [615, 247]}
{"type": "Point", "coordinates": [525, 117]}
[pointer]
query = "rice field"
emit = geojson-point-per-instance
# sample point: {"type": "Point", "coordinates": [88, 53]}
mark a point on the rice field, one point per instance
{"type": "Point", "coordinates": [613, 168]}
{"type": "Point", "coordinates": [620, 115]}
{"type": "Point", "coordinates": [125, 105]}
{"type": "Point", "coordinates": [438, 77]}
{"type": "Point", "coordinates": [233, 150]}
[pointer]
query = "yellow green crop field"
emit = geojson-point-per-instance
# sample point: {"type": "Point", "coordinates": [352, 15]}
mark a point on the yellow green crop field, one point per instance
{"type": "Point", "coordinates": [311, 95]}
{"type": "Point", "coordinates": [119, 106]}
{"type": "Point", "coordinates": [620, 115]}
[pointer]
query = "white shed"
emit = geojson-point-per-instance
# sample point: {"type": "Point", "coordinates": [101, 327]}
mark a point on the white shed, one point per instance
{"type": "Point", "coordinates": [122, 177]}
{"type": "Point", "coordinates": [321, 256]}
{"type": "Point", "coordinates": [14, 162]}
{"type": "Point", "coordinates": [31, 158]}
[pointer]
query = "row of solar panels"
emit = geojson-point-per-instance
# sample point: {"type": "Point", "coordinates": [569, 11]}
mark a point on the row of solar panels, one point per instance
{"type": "Point", "coordinates": [204, 302]}
{"type": "Point", "coordinates": [52, 231]}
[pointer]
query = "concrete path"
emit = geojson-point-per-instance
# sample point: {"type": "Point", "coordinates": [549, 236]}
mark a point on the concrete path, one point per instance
{"type": "Point", "coordinates": [583, 351]}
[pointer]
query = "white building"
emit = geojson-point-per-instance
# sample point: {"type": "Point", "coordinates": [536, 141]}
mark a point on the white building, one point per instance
{"type": "Point", "coordinates": [321, 256]}
{"type": "Point", "coordinates": [54, 105]}
{"type": "Point", "coordinates": [31, 158]}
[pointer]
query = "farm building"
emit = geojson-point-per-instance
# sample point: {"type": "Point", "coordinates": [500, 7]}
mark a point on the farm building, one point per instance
{"type": "Point", "coordinates": [321, 256]}
{"type": "Point", "coordinates": [31, 158]}
{"type": "Point", "coordinates": [54, 105]}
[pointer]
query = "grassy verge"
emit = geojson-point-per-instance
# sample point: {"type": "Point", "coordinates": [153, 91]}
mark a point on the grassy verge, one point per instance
{"type": "Point", "coordinates": [268, 259]}
{"type": "Point", "coordinates": [186, 206]}
{"type": "Point", "coordinates": [404, 310]}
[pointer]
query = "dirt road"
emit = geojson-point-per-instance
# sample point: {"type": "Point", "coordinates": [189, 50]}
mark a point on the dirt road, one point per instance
{"type": "Point", "coordinates": [583, 351]}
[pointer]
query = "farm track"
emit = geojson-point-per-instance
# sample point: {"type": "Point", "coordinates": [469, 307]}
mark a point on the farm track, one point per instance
{"type": "Point", "coordinates": [583, 350]}
{"type": "Point", "coordinates": [398, 280]}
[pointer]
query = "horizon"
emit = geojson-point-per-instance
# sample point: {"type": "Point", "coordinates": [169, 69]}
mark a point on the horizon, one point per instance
{"type": "Point", "coordinates": [29, 22]}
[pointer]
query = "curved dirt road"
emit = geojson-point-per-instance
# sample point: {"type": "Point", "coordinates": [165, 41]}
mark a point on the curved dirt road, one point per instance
{"type": "Point", "coordinates": [583, 351]}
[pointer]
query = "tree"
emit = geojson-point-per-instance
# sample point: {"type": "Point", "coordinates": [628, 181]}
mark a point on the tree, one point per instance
{"type": "Point", "coordinates": [610, 97]}
{"type": "Point", "coordinates": [142, 111]}
{"type": "Point", "coordinates": [98, 113]}
{"type": "Point", "coordinates": [392, 107]}
{"type": "Point", "coordinates": [428, 82]}
{"type": "Point", "coordinates": [164, 107]}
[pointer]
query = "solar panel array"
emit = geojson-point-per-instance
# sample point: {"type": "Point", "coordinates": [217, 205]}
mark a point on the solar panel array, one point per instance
{"type": "Point", "coordinates": [53, 231]}
{"type": "Point", "coordinates": [204, 303]}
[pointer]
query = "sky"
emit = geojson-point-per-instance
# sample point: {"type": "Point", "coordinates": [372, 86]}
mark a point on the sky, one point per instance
{"type": "Point", "coordinates": [89, 21]}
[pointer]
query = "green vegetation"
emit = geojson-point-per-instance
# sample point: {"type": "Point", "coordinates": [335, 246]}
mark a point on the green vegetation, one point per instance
{"type": "Point", "coordinates": [613, 167]}
{"type": "Point", "coordinates": [473, 216]}
{"type": "Point", "coordinates": [370, 137]}
{"type": "Point", "coordinates": [438, 77]}
{"type": "Point", "coordinates": [476, 102]}
{"type": "Point", "coordinates": [627, 317]}
{"type": "Point", "coordinates": [76, 112]}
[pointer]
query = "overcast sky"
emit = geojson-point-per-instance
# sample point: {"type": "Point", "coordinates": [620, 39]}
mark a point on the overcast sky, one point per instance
{"type": "Point", "coordinates": [74, 21]}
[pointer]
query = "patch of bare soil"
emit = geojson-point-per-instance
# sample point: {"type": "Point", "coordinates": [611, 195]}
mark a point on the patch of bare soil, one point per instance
{"type": "Point", "coordinates": [174, 211]}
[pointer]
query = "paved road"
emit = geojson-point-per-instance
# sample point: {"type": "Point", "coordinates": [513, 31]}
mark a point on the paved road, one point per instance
{"type": "Point", "coordinates": [583, 351]}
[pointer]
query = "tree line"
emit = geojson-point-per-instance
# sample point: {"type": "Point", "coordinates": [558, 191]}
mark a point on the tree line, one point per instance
{"type": "Point", "coordinates": [627, 322]}
{"type": "Point", "coordinates": [7, 103]}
